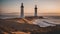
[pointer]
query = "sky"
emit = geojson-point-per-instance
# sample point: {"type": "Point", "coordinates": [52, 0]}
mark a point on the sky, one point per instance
{"type": "Point", "coordinates": [45, 7]}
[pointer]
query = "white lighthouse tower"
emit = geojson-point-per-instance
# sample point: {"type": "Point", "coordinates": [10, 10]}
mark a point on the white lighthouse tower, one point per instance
{"type": "Point", "coordinates": [22, 11]}
{"type": "Point", "coordinates": [35, 14]}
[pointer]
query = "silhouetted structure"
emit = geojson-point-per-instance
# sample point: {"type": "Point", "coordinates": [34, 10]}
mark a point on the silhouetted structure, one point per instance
{"type": "Point", "coordinates": [22, 10]}
{"type": "Point", "coordinates": [35, 11]}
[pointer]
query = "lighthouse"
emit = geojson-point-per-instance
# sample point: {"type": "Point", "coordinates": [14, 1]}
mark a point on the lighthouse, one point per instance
{"type": "Point", "coordinates": [35, 14]}
{"type": "Point", "coordinates": [22, 11]}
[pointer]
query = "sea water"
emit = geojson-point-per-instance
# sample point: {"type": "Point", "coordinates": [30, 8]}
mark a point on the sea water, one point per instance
{"type": "Point", "coordinates": [47, 22]}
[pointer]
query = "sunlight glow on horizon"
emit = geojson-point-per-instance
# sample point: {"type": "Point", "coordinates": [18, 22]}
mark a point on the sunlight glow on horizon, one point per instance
{"type": "Point", "coordinates": [43, 6]}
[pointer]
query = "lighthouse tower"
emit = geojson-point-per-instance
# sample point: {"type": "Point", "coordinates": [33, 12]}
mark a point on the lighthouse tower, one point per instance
{"type": "Point", "coordinates": [22, 11]}
{"type": "Point", "coordinates": [35, 11]}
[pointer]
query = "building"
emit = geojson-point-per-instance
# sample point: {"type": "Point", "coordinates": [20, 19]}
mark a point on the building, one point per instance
{"type": "Point", "coordinates": [22, 11]}
{"type": "Point", "coordinates": [35, 14]}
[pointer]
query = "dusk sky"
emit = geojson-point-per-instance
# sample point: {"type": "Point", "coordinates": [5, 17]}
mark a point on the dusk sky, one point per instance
{"type": "Point", "coordinates": [44, 6]}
